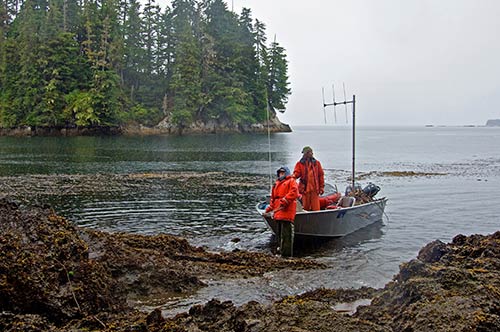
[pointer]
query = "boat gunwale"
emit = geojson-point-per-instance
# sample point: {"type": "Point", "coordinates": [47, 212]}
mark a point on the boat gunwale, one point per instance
{"type": "Point", "coordinates": [304, 212]}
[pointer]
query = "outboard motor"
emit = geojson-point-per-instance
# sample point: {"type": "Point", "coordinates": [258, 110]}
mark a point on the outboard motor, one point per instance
{"type": "Point", "coordinates": [371, 189]}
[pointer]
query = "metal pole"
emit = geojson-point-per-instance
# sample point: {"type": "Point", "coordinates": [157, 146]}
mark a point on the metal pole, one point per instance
{"type": "Point", "coordinates": [269, 149]}
{"type": "Point", "coordinates": [353, 139]}
{"type": "Point", "coordinates": [345, 102]}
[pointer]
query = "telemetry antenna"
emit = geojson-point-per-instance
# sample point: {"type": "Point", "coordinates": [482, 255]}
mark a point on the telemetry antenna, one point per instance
{"type": "Point", "coordinates": [345, 102]}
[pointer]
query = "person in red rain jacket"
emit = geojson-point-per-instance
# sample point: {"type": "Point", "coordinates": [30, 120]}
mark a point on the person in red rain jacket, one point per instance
{"type": "Point", "coordinates": [312, 179]}
{"type": "Point", "coordinates": [283, 205]}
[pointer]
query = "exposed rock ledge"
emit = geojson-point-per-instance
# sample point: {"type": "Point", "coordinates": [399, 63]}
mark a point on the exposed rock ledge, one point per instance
{"type": "Point", "coordinates": [56, 277]}
{"type": "Point", "coordinates": [210, 127]}
{"type": "Point", "coordinates": [163, 128]}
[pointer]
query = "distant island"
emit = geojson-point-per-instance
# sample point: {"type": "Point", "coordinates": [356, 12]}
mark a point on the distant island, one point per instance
{"type": "Point", "coordinates": [493, 123]}
{"type": "Point", "coordinates": [489, 123]}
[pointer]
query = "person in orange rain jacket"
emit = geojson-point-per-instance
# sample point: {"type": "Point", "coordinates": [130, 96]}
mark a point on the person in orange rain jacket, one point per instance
{"type": "Point", "coordinates": [312, 179]}
{"type": "Point", "coordinates": [283, 205]}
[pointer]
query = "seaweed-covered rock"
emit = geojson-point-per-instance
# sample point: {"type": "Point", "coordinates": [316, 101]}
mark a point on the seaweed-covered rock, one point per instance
{"type": "Point", "coordinates": [50, 268]}
{"type": "Point", "coordinates": [456, 287]}
{"type": "Point", "coordinates": [57, 277]}
{"type": "Point", "coordinates": [10, 322]}
{"type": "Point", "coordinates": [44, 267]}
{"type": "Point", "coordinates": [449, 287]}
{"type": "Point", "coordinates": [433, 252]}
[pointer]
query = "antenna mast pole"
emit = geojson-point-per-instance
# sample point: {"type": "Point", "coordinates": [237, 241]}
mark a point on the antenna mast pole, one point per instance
{"type": "Point", "coordinates": [353, 139]}
{"type": "Point", "coordinates": [345, 102]}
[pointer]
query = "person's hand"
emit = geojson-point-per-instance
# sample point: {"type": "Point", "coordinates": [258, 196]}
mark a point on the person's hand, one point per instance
{"type": "Point", "coordinates": [321, 191]}
{"type": "Point", "coordinates": [267, 214]}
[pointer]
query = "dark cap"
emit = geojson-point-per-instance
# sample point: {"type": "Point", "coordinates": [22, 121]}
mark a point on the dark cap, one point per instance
{"type": "Point", "coordinates": [306, 148]}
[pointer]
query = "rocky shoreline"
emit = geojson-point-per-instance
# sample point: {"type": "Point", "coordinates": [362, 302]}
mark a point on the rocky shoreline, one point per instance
{"type": "Point", "coordinates": [55, 276]}
{"type": "Point", "coordinates": [163, 128]}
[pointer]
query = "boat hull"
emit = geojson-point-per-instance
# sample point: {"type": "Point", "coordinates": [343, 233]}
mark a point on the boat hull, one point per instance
{"type": "Point", "coordinates": [333, 223]}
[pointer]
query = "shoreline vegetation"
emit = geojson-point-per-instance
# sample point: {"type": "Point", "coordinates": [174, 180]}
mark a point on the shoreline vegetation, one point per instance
{"type": "Point", "coordinates": [55, 276]}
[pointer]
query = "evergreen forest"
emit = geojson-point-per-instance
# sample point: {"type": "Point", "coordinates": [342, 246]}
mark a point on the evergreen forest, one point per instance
{"type": "Point", "coordinates": [67, 63]}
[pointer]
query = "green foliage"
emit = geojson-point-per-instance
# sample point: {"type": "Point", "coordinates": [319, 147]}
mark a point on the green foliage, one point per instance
{"type": "Point", "coordinates": [182, 117]}
{"type": "Point", "coordinates": [277, 77]}
{"type": "Point", "coordinates": [108, 62]}
{"type": "Point", "coordinates": [80, 109]}
{"type": "Point", "coordinates": [101, 105]}
{"type": "Point", "coordinates": [141, 114]}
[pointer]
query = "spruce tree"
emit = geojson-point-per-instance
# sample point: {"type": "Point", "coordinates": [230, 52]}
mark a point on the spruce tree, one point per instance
{"type": "Point", "coordinates": [250, 68]}
{"type": "Point", "coordinates": [26, 89]}
{"type": "Point", "coordinates": [133, 51]}
{"type": "Point", "coordinates": [277, 78]}
{"type": "Point", "coordinates": [185, 86]}
{"type": "Point", "coordinates": [228, 100]}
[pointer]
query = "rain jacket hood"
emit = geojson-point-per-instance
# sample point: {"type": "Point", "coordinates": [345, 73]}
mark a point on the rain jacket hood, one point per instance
{"type": "Point", "coordinates": [287, 172]}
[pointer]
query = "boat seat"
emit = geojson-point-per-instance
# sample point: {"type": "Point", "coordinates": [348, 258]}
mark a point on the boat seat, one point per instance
{"type": "Point", "coordinates": [346, 201]}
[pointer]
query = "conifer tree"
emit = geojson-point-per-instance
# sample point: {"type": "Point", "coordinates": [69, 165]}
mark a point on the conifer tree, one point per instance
{"type": "Point", "coordinates": [277, 78]}
{"type": "Point", "coordinates": [250, 67]}
{"type": "Point", "coordinates": [64, 71]}
{"type": "Point", "coordinates": [228, 99]}
{"type": "Point", "coordinates": [185, 86]}
{"type": "Point", "coordinates": [133, 51]}
{"type": "Point", "coordinates": [165, 58]}
{"type": "Point", "coordinates": [102, 102]}
{"type": "Point", "coordinates": [26, 89]}
{"type": "Point", "coordinates": [147, 94]}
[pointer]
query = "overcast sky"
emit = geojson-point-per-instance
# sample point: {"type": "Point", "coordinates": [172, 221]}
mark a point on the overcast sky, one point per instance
{"type": "Point", "coordinates": [411, 62]}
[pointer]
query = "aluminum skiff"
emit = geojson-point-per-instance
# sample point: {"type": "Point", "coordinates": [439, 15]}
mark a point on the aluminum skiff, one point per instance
{"type": "Point", "coordinates": [332, 223]}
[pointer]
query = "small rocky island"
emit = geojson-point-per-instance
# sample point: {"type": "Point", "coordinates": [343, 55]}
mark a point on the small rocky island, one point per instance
{"type": "Point", "coordinates": [55, 276]}
{"type": "Point", "coordinates": [493, 123]}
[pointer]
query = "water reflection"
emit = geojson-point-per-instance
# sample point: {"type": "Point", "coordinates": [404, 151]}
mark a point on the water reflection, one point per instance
{"type": "Point", "coordinates": [311, 246]}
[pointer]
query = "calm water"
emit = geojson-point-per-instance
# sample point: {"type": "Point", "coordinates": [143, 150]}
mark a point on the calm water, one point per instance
{"type": "Point", "coordinates": [420, 209]}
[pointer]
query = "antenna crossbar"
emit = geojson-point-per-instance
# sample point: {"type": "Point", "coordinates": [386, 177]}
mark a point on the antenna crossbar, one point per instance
{"type": "Point", "coordinates": [339, 103]}
{"type": "Point", "coordinates": [345, 102]}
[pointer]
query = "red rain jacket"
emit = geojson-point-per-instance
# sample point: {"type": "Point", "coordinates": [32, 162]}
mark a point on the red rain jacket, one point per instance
{"type": "Point", "coordinates": [300, 172]}
{"type": "Point", "coordinates": [326, 201]}
{"type": "Point", "coordinates": [283, 199]}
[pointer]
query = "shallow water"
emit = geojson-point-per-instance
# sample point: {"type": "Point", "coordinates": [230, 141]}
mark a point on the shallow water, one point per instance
{"type": "Point", "coordinates": [462, 200]}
